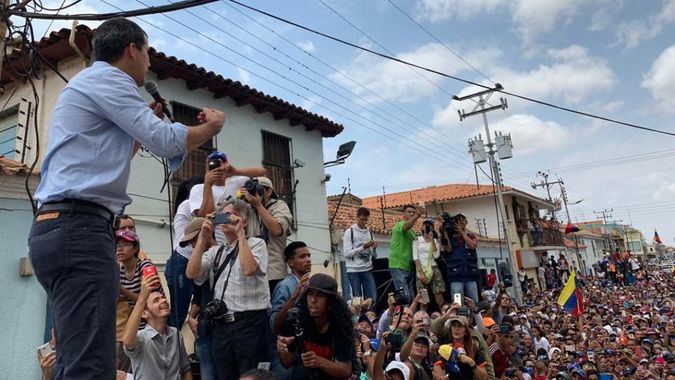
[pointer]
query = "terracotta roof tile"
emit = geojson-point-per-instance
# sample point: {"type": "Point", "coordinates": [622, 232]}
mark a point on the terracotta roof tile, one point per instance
{"type": "Point", "coordinates": [431, 194]}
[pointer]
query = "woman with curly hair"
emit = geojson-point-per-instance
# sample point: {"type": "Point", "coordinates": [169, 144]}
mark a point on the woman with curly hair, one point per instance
{"type": "Point", "coordinates": [325, 349]}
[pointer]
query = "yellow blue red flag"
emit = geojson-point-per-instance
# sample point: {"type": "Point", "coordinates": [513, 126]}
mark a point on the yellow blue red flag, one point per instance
{"type": "Point", "coordinates": [570, 297]}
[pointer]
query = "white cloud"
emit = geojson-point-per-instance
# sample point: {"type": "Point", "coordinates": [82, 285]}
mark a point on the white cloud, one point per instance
{"type": "Point", "coordinates": [531, 135]}
{"type": "Point", "coordinates": [397, 82]}
{"type": "Point", "coordinates": [660, 80]}
{"type": "Point", "coordinates": [244, 76]}
{"type": "Point", "coordinates": [632, 33]}
{"type": "Point", "coordinates": [441, 10]}
{"type": "Point", "coordinates": [573, 76]}
{"type": "Point", "coordinates": [306, 46]}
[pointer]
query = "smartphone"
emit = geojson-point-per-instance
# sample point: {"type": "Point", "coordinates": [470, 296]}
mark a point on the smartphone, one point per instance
{"type": "Point", "coordinates": [463, 311]}
{"type": "Point", "coordinates": [457, 298]}
{"type": "Point", "coordinates": [214, 163]}
{"type": "Point", "coordinates": [221, 218]}
{"type": "Point", "coordinates": [356, 301]}
{"type": "Point", "coordinates": [45, 350]}
{"type": "Point", "coordinates": [591, 356]}
{"type": "Point", "coordinates": [425, 296]}
{"type": "Point", "coordinates": [148, 271]}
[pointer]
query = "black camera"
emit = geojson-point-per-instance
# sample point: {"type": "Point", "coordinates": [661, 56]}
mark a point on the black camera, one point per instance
{"type": "Point", "coordinates": [222, 218]}
{"type": "Point", "coordinates": [214, 163]}
{"type": "Point", "coordinates": [449, 226]}
{"type": "Point", "coordinates": [400, 298]}
{"type": "Point", "coordinates": [214, 310]}
{"type": "Point", "coordinates": [254, 187]}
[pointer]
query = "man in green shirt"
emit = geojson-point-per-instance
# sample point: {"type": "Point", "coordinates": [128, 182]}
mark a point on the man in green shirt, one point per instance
{"type": "Point", "coordinates": [400, 257]}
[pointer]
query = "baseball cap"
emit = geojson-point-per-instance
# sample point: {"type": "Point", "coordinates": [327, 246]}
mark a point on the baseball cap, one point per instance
{"type": "Point", "coordinates": [459, 318]}
{"type": "Point", "coordinates": [399, 366]}
{"type": "Point", "coordinates": [363, 318]}
{"type": "Point", "coordinates": [488, 322]}
{"type": "Point", "coordinates": [423, 337]}
{"type": "Point", "coordinates": [127, 235]}
{"type": "Point", "coordinates": [266, 182]}
{"type": "Point", "coordinates": [323, 283]}
{"type": "Point", "coordinates": [219, 155]}
{"type": "Point", "coordinates": [191, 230]}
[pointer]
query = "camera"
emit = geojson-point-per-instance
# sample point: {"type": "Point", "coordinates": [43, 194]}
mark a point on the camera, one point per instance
{"type": "Point", "coordinates": [214, 163]}
{"type": "Point", "coordinates": [214, 310]}
{"type": "Point", "coordinates": [221, 218]}
{"type": "Point", "coordinates": [400, 297]}
{"type": "Point", "coordinates": [449, 226]}
{"type": "Point", "coordinates": [254, 187]}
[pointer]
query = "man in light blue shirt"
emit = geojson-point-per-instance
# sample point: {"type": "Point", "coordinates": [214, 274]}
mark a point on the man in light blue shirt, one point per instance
{"type": "Point", "coordinates": [286, 295]}
{"type": "Point", "coordinates": [97, 125]}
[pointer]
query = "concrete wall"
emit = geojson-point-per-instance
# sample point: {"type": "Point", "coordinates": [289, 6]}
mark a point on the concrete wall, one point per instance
{"type": "Point", "coordinates": [23, 299]}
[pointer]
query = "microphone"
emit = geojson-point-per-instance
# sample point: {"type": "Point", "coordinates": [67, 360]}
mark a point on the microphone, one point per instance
{"type": "Point", "coordinates": [151, 88]}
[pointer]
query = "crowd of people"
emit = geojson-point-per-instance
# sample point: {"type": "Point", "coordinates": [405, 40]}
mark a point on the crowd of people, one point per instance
{"type": "Point", "coordinates": [249, 296]}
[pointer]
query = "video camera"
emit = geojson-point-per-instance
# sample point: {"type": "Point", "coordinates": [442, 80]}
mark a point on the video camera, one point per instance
{"type": "Point", "coordinates": [449, 226]}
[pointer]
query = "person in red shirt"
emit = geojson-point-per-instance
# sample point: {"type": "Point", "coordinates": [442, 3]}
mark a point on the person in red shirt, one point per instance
{"type": "Point", "coordinates": [502, 349]}
{"type": "Point", "coordinates": [491, 279]}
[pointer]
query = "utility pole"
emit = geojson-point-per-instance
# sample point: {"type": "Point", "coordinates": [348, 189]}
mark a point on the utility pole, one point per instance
{"type": "Point", "coordinates": [502, 146]}
{"type": "Point", "coordinates": [606, 214]}
{"type": "Point", "coordinates": [567, 212]}
{"type": "Point", "coordinates": [545, 183]}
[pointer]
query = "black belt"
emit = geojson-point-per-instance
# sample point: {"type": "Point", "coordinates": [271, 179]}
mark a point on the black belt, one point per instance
{"type": "Point", "coordinates": [77, 206]}
{"type": "Point", "coordinates": [234, 316]}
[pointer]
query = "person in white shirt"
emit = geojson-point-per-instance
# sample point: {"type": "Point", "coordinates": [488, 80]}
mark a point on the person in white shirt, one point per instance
{"type": "Point", "coordinates": [237, 271]}
{"type": "Point", "coordinates": [221, 182]}
{"type": "Point", "coordinates": [359, 246]}
{"type": "Point", "coordinates": [539, 339]}
{"type": "Point", "coordinates": [425, 252]}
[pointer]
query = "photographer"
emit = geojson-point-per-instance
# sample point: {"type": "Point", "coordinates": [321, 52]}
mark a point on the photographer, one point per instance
{"type": "Point", "coordinates": [236, 269]}
{"type": "Point", "coordinates": [321, 346]}
{"type": "Point", "coordinates": [221, 182]}
{"type": "Point", "coordinates": [359, 248]}
{"type": "Point", "coordinates": [460, 256]}
{"type": "Point", "coordinates": [271, 220]}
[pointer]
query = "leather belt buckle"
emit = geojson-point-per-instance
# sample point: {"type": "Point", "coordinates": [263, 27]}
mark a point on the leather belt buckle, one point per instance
{"type": "Point", "coordinates": [229, 318]}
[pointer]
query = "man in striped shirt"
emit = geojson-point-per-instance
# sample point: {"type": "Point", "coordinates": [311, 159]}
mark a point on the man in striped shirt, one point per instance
{"type": "Point", "coordinates": [238, 268]}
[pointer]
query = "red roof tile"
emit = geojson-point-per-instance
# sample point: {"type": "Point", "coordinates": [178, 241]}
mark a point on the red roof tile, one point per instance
{"type": "Point", "coordinates": [430, 194]}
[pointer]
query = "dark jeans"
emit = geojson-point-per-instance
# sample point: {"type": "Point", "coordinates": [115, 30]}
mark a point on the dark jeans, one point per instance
{"type": "Point", "coordinates": [240, 345]}
{"type": "Point", "coordinates": [207, 364]}
{"type": "Point", "coordinates": [73, 256]}
{"type": "Point", "coordinates": [180, 289]}
{"type": "Point", "coordinates": [363, 285]}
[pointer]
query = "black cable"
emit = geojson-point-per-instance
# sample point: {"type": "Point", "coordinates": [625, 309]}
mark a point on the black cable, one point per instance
{"type": "Point", "coordinates": [37, 147]}
{"type": "Point", "coordinates": [523, 97]}
{"type": "Point", "coordinates": [106, 16]}
{"type": "Point", "coordinates": [60, 8]}
{"type": "Point", "coordinates": [429, 139]}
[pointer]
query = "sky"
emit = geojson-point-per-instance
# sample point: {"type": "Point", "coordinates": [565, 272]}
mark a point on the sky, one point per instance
{"type": "Point", "coordinates": [613, 58]}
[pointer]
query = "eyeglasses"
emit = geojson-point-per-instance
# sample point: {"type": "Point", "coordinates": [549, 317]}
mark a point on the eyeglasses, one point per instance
{"type": "Point", "coordinates": [124, 244]}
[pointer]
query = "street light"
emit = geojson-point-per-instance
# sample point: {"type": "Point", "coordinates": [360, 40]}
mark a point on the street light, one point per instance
{"type": "Point", "coordinates": [344, 151]}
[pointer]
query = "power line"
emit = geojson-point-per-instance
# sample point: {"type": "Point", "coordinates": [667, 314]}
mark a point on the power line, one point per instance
{"type": "Point", "coordinates": [106, 16]}
{"type": "Point", "coordinates": [523, 97]}
{"type": "Point", "coordinates": [423, 150]}
{"type": "Point", "coordinates": [404, 137]}
{"type": "Point", "coordinates": [440, 42]}
{"type": "Point", "coordinates": [430, 139]}
{"type": "Point", "coordinates": [334, 69]}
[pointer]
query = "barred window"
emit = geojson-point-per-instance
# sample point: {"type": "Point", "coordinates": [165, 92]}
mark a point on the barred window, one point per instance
{"type": "Point", "coordinates": [277, 153]}
{"type": "Point", "coordinates": [194, 163]}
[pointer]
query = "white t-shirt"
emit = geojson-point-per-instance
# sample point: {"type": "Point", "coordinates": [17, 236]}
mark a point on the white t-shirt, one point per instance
{"type": "Point", "coordinates": [220, 195]}
{"type": "Point", "coordinates": [181, 219]}
{"type": "Point", "coordinates": [541, 343]}
{"type": "Point", "coordinates": [541, 272]}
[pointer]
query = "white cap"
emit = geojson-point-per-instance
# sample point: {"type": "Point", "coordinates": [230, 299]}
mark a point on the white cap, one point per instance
{"type": "Point", "coordinates": [401, 367]}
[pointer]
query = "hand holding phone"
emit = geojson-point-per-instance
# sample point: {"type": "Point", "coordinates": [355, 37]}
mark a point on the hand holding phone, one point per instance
{"type": "Point", "coordinates": [457, 298]}
{"type": "Point", "coordinates": [425, 296]}
{"type": "Point", "coordinates": [45, 350]}
{"type": "Point", "coordinates": [148, 271]}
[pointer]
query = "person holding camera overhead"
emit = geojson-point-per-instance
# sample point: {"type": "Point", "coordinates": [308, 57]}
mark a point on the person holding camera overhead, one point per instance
{"type": "Point", "coordinates": [237, 270]}
{"type": "Point", "coordinates": [221, 182]}
{"type": "Point", "coordinates": [317, 342]}
{"type": "Point", "coordinates": [271, 220]}
{"type": "Point", "coordinates": [400, 257]}
{"type": "Point", "coordinates": [459, 251]}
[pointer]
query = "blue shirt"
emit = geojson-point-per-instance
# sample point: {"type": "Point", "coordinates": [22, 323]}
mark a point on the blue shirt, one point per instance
{"type": "Point", "coordinates": [282, 293]}
{"type": "Point", "coordinates": [97, 118]}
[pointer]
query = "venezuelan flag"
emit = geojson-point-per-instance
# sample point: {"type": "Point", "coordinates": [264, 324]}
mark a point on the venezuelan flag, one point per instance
{"type": "Point", "coordinates": [570, 297]}
{"type": "Point", "coordinates": [569, 228]}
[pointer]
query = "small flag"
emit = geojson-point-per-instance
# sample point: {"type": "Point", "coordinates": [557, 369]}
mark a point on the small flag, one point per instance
{"type": "Point", "coordinates": [570, 297]}
{"type": "Point", "coordinates": [657, 239]}
{"type": "Point", "coordinates": [569, 228]}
